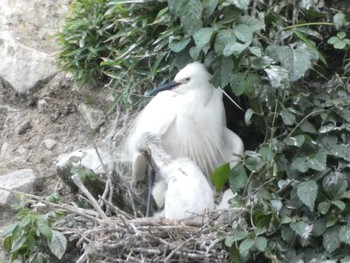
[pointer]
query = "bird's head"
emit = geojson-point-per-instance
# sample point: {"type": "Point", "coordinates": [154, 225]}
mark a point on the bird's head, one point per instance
{"type": "Point", "coordinates": [193, 76]}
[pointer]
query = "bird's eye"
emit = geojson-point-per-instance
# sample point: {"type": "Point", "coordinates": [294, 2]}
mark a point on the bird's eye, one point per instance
{"type": "Point", "coordinates": [188, 79]}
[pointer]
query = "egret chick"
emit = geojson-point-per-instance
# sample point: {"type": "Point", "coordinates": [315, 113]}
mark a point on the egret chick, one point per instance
{"type": "Point", "coordinates": [188, 192]}
{"type": "Point", "coordinates": [189, 117]}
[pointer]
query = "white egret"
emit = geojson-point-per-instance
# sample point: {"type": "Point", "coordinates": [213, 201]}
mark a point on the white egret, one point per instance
{"type": "Point", "coordinates": [187, 191]}
{"type": "Point", "coordinates": [189, 116]}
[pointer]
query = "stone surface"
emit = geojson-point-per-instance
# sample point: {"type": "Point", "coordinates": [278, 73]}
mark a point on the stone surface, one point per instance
{"type": "Point", "coordinates": [21, 180]}
{"type": "Point", "coordinates": [23, 67]}
{"type": "Point", "coordinates": [49, 143]}
{"type": "Point", "coordinates": [93, 116]}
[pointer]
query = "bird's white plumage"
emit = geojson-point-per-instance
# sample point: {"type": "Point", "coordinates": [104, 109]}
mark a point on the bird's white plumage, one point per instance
{"type": "Point", "coordinates": [190, 120]}
{"type": "Point", "coordinates": [187, 191]}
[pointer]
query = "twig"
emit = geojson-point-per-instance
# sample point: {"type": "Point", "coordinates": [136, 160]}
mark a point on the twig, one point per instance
{"type": "Point", "coordinates": [94, 203]}
{"type": "Point", "coordinates": [168, 258]}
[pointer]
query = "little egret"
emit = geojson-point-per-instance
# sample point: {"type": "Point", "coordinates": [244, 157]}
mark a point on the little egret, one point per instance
{"type": "Point", "coordinates": [189, 116]}
{"type": "Point", "coordinates": [187, 191]}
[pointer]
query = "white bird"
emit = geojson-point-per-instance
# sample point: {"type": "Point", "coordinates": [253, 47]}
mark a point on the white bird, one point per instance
{"type": "Point", "coordinates": [189, 116]}
{"type": "Point", "coordinates": [188, 193]}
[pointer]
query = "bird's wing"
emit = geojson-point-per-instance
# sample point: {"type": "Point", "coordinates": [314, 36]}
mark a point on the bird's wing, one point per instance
{"type": "Point", "coordinates": [155, 118]}
{"type": "Point", "coordinates": [233, 146]}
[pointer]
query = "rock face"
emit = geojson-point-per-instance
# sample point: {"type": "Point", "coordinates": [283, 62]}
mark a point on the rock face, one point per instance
{"type": "Point", "coordinates": [21, 66]}
{"type": "Point", "coordinates": [21, 180]}
{"type": "Point", "coordinates": [27, 45]}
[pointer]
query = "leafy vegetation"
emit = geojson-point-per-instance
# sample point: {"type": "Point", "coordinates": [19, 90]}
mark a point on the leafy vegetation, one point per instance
{"type": "Point", "coordinates": [286, 62]}
{"type": "Point", "coordinates": [32, 239]}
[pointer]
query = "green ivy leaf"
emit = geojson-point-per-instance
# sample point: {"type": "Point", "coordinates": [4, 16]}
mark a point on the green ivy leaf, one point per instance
{"type": "Point", "coordinates": [209, 8]}
{"type": "Point", "coordinates": [261, 243]}
{"type": "Point", "coordinates": [58, 244]}
{"type": "Point", "coordinates": [202, 36]}
{"type": "Point", "coordinates": [243, 33]}
{"type": "Point", "coordinates": [246, 245]}
{"type": "Point", "coordinates": [191, 16]}
{"type": "Point", "coordinates": [323, 207]}
{"type": "Point", "coordinates": [340, 204]}
{"type": "Point", "coordinates": [344, 234]}
{"type": "Point", "coordinates": [253, 23]}
{"type": "Point", "coordinates": [238, 178]}
{"type": "Point", "coordinates": [278, 76]}
{"type": "Point", "coordinates": [287, 116]}
{"type": "Point", "coordinates": [241, 4]}
{"type": "Point", "coordinates": [235, 49]}
{"type": "Point", "coordinates": [335, 184]}
{"type": "Point", "coordinates": [179, 45]}
{"type": "Point", "coordinates": [248, 116]}
{"type": "Point", "coordinates": [220, 176]}
{"type": "Point", "coordinates": [238, 236]}
{"type": "Point", "coordinates": [296, 141]}
{"type": "Point", "coordinates": [296, 60]}
{"type": "Point", "coordinates": [223, 38]}
{"type": "Point", "coordinates": [44, 227]}
{"type": "Point", "coordinates": [339, 20]}
{"type": "Point", "coordinates": [307, 192]}
{"type": "Point", "coordinates": [239, 83]}
{"type": "Point", "coordinates": [301, 228]}
{"type": "Point", "coordinates": [318, 161]}
{"type": "Point", "coordinates": [331, 239]}
{"type": "Point", "coordinates": [223, 70]}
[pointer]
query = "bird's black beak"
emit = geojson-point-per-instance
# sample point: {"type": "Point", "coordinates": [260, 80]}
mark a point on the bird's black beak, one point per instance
{"type": "Point", "coordinates": [165, 86]}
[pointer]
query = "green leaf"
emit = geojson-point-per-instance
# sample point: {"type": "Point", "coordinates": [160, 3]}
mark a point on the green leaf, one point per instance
{"type": "Point", "coordinates": [223, 70]}
{"type": "Point", "coordinates": [248, 116]}
{"type": "Point", "coordinates": [331, 239]}
{"type": "Point", "coordinates": [307, 192]}
{"type": "Point", "coordinates": [253, 23]}
{"type": "Point", "coordinates": [58, 244]}
{"type": "Point", "coordinates": [223, 38]}
{"type": "Point", "coordinates": [296, 141]}
{"type": "Point", "coordinates": [241, 4]}
{"type": "Point", "coordinates": [44, 228]}
{"type": "Point", "coordinates": [243, 33]}
{"type": "Point", "coordinates": [238, 83]}
{"type": "Point", "coordinates": [194, 52]}
{"type": "Point", "coordinates": [209, 8]}
{"type": "Point", "coordinates": [220, 176]}
{"type": "Point", "coordinates": [339, 20]}
{"type": "Point", "coordinates": [340, 204]}
{"type": "Point", "coordinates": [235, 49]}
{"type": "Point", "coordinates": [238, 178]}
{"type": "Point", "coordinates": [261, 243]}
{"type": "Point", "coordinates": [335, 184]}
{"type": "Point", "coordinates": [301, 228]}
{"type": "Point", "coordinates": [287, 116]}
{"type": "Point", "coordinates": [295, 60]}
{"type": "Point", "coordinates": [323, 207]}
{"type": "Point", "coordinates": [191, 16]}
{"type": "Point", "coordinates": [318, 161]}
{"type": "Point", "coordinates": [246, 245]}
{"type": "Point", "coordinates": [179, 45]}
{"type": "Point", "coordinates": [18, 244]}
{"type": "Point", "coordinates": [238, 236]}
{"type": "Point", "coordinates": [344, 234]}
{"type": "Point", "coordinates": [278, 76]}
{"type": "Point", "coordinates": [202, 37]}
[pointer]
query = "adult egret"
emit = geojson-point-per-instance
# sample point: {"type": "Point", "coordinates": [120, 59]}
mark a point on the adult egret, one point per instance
{"type": "Point", "coordinates": [189, 116]}
{"type": "Point", "coordinates": [187, 191]}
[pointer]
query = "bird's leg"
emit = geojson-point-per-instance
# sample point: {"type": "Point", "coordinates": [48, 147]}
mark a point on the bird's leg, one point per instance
{"type": "Point", "coordinates": [151, 176]}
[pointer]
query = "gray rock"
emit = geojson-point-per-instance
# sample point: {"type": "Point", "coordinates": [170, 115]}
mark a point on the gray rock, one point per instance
{"type": "Point", "coordinates": [93, 116]}
{"type": "Point", "coordinates": [23, 67]}
{"type": "Point", "coordinates": [83, 158]}
{"type": "Point", "coordinates": [23, 128]}
{"type": "Point", "coordinates": [49, 143]}
{"type": "Point", "coordinates": [21, 180]}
